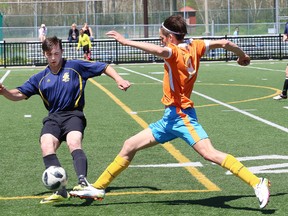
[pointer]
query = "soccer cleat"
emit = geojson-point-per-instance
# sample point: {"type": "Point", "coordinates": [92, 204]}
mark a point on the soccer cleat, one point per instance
{"type": "Point", "coordinates": [87, 191]}
{"type": "Point", "coordinates": [280, 97]}
{"type": "Point", "coordinates": [80, 186]}
{"type": "Point", "coordinates": [262, 192]}
{"type": "Point", "coordinates": [55, 197]}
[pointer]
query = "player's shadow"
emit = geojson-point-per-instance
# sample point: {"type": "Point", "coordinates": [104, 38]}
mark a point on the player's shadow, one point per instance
{"type": "Point", "coordinates": [213, 202]}
{"type": "Point", "coordinates": [88, 202]}
{"type": "Point", "coordinates": [220, 202]}
{"type": "Point", "coordinates": [110, 189]}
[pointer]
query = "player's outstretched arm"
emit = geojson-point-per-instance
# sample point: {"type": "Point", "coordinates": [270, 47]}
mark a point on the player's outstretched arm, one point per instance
{"type": "Point", "coordinates": [121, 83]}
{"type": "Point", "coordinates": [147, 47]}
{"type": "Point", "coordinates": [13, 94]}
{"type": "Point", "coordinates": [243, 58]}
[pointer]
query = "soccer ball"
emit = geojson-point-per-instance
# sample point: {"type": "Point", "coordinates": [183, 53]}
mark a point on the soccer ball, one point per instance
{"type": "Point", "coordinates": [54, 178]}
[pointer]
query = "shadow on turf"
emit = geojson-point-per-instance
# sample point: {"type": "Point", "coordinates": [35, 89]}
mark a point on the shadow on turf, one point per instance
{"type": "Point", "coordinates": [218, 202]}
{"type": "Point", "coordinates": [215, 202]}
{"type": "Point", "coordinates": [109, 189]}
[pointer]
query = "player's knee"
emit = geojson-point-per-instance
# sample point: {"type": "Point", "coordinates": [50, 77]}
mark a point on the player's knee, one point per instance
{"type": "Point", "coordinates": [73, 145]}
{"type": "Point", "coordinates": [210, 154]}
{"type": "Point", "coordinates": [129, 147]}
{"type": "Point", "coordinates": [206, 156]}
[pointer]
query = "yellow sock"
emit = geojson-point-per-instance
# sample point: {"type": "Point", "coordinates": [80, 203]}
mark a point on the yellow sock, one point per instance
{"type": "Point", "coordinates": [115, 168]}
{"type": "Point", "coordinates": [239, 170]}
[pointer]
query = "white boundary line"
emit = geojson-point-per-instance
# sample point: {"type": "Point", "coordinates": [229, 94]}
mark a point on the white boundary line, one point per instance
{"type": "Point", "coordinates": [4, 77]}
{"type": "Point", "coordinates": [259, 68]}
{"type": "Point", "coordinates": [221, 103]}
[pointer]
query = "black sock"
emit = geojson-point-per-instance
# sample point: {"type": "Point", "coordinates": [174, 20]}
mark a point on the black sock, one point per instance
{"type": "Point", "coordinates": [80, 164]}
{"type": "Point", "coordinates": [51, 160]}
{"type": "Point", "coordinates": [62, 192]}
{"type": "Point", "coordinates": [285, 87]}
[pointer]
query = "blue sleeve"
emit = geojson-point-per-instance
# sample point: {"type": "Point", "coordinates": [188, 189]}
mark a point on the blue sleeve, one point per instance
{"type": "Point", "coordinates": [30, 87]}
{"type": "Point", "coordinates": [90, 69]}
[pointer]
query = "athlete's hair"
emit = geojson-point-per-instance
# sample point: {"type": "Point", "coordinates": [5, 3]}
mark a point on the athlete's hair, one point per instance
{"type": "Point", "coordinates": [175, 25]}
{"type": "Point", "coordinates": [50, 42]}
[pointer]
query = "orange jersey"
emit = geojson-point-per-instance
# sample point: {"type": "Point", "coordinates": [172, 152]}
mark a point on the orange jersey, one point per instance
{"type": "Point", "coordinates": [180, 72]}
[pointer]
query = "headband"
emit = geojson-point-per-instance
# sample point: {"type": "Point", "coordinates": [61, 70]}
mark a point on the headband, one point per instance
{"type": "Point", "coordinates": [172, 32]}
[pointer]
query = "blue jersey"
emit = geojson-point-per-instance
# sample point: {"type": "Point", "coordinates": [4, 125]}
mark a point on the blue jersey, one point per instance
{"type": "Point", "coordinates": [63, 91]}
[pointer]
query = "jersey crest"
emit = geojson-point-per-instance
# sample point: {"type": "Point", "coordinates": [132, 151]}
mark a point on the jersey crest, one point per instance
{"type": "Point", "coordinates": [66, 77]}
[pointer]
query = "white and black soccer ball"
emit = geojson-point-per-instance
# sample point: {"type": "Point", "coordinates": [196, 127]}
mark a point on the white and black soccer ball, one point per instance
{"type": "Point", "coordinates": [54, 178]}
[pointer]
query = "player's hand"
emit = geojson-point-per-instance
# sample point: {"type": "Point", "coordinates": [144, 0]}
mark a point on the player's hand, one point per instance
{"type": "Point", "coordinates": [117, 36]}
{"type": "Point", "coordinates": [2, 87]}
{"type": "Point", "coordinates": [243, 60]}
{"type": "Point", "coordinates": [123, 84]}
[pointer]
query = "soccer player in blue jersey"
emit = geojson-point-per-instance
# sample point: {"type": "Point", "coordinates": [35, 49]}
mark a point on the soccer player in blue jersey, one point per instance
{"type": "Point", "coordinates": [61, 87]}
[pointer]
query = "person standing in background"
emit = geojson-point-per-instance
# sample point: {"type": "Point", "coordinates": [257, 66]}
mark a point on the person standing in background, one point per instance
{"type": "Point", "coordinates": [283, 94]}
{"type": "Point", "coordinates": [84, 41]}
{"type": "Point", "coordinates": [42, 32]}
{"type": "Point", "coordinates": [236, 31]}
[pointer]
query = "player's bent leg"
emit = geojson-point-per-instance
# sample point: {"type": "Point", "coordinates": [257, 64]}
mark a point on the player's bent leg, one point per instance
{"type": "Point", "coordinates": [49, 144]}
{"type": "Point", "coordinates": [143, 139]}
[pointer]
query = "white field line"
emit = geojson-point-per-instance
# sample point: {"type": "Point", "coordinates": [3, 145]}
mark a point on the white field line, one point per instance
{"type": "Point", "coordinates": [193, 164]}
{"type": "Point", "coordinates": [258, 68]}
{"type": "Point", "coordinates": [4, 77]}
{"type": "Point", "coordinates": [221, 103]}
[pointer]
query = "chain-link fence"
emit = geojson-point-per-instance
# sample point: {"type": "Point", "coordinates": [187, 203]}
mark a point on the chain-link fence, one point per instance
{"type": "Point", "coordinates": [22, 18]}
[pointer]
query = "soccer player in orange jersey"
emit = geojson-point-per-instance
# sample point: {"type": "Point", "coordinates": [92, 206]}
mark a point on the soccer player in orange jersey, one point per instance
{"type": "Point", "coordinates": [181, 65]}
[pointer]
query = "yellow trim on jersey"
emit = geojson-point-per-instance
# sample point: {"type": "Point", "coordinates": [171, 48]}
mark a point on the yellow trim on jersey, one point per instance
{"type": "Point", "coordinates": [41, 95]}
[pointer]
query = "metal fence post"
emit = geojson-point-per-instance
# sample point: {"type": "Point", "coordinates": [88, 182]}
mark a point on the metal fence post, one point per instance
{"type": "Point", "coordinates": [117, 54]}
{"type": "Point", "coordinates": [226, 51]}
{"type": "Point", "coordinates": [280, 47]}
{"type": "Point", "coordinates": [4, 54]}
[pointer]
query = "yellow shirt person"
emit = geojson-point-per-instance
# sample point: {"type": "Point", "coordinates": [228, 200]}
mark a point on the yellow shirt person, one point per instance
{"type": "Point", "coordinates": [84, 41]}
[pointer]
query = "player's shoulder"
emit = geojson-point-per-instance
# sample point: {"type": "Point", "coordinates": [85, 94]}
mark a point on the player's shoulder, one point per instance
{"type": "Point", "coordinates": [192, 41]}
{"type": "Point", "coordinates": [73, 62]}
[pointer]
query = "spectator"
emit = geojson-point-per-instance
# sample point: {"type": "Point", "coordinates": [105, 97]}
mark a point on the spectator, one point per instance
{"type": "Point", "coordinates": [42, 32]}
{"type": "Point", "coordinates": [87, 30]}
{"type": "Point", "coordinates": [236, 31]}
{"type": "Point", "coordinates": [73, 33]}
